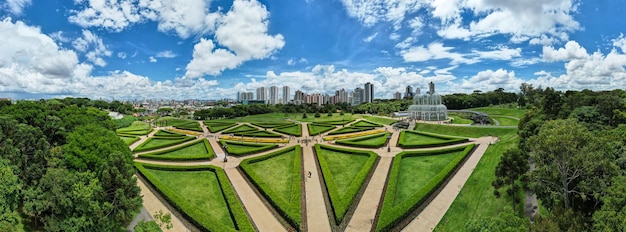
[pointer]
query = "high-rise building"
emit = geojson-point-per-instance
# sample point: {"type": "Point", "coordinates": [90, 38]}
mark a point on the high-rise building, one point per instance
{"type": "Point", "coordinates": [273, 98]}
{"type": "Point", "coordinates": [261, 94]}
{"type": "Point", "coordinates": [286, 94]}
{"type": "Point", "coordinates": [298, 97]}
{"type": "Point", "coordinates": [369, 92]}
{"type": "Point", "coordinates": [431, 88]}
{"type": "Point", "coordinates": [358, 95]}
{"type": "Point", "coordinates": [244, 96]}
{"type": "Point", "coordinates": [418, 91]}
{"type": "Point", "coordinates": [397, 96]}
{"type": "Point", "coordinates": [409, 91]}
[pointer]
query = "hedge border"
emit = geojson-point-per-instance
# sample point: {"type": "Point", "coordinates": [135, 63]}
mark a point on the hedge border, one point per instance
{"type": "Point", "coordinates": [338, 204]}
{"type": "Point", "coordinates": [291, 210]}
{"type": "Point", "coordinates": [353, 141]}
{"type": "Point", "coordinates": [390, 214]}
{"type": "Point", "coordinates": [134, 132]}
{"type": "Point", "coordinates": [350, 129]}
{"type": "Point", "coordinates": [281, 129]}
{"type": "Point", "coordinates": [158, 155]}
{"type": "Point", "coordinates": [220, 126]}
{"type": "Point", "coordinates": [166, 133]}
{"type": "Point", "coordinates": [373, 124]}
{"type": "Point", "coordinates": [134, 139]}
{"type": "Point", "coordinates": [271, 124]}
{"type": "Point", "coordinates": [194, 215]}
{"type": "Point", "coordinates": [448, 140]}
{"type": "Point", "coordinates": [237, 129]}
{"type": "Point", "coordinates": [259, 133]}
{"type": "Point", "coordinates": [330, 127]}
{"type": "Point", "coordinates": [262, 147]}
{"type": "Point", "coordinates": [335, 122]}
{"type": "Point", "coordinates": [181, 140]}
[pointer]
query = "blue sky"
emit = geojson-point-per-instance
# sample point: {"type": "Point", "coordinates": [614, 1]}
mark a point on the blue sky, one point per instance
{"type": "Point", "coordinates": [196, 49]}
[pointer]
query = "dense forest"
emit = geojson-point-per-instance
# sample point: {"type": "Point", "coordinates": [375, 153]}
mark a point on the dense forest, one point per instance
{"type": "Point", "coordinates": [63, 168]}
{"type": "Point", "coordinates": [575, 142]}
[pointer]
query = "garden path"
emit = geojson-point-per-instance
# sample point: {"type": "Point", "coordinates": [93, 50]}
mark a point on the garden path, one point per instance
{"type": "Point", "coordinates": [142, 139]}
{"type": "Point", "coordinates": [316, 212]}
{"type": "Point", "coordinates": [152, 203]}
{"type": "Point", "coordinates": [437, 208]}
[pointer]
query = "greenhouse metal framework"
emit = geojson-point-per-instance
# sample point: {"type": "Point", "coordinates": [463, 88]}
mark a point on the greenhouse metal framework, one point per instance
{"type": "Point", "coordinates": [428, 107]}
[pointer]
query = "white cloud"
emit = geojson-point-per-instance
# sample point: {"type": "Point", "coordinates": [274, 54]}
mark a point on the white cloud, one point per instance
{"type": "Point", "coordinates": [394, 36]}
{"type": "Point", "coordinates": [242, 36]}
{"type": "Point", "coordinates": [152, 59]}
{"type": "Point", "coordinates": [93, 47]}
{"type": "Point", "coordinates": [166, 54]}
{"type": "Point", "coordinates": [500, 53]}
{"type": "Point", "coordinates": [571, 51]}
{"type": "Point", "coordinates": [370, 12]}
{"type": "Point", "coordinates": [370, 38]}
{"type": "Point", "coordinates": [435, 51]}
{"type": "Point", "coordinates": [291, 62]}
{"type": "Point", "coordinates": [121, 55]}
{"type": "Point", "coordinates": [16, 7]}
{"type": "Point", "coordinates": [620, 42]}
{"type": "Point", "coordinates": [489, 80]}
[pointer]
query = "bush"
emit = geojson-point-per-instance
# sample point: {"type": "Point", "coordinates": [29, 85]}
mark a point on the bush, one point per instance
{"type": "Point", "coordinates": [317, 114]}
{"type": "Point", "coordinates": [193, 214]}
{"type": "Point", "coordinates": [290, 209]}
{"type": "Point", "coordinates": [391, 215]}
{"type": "Point", "coordinates": [446, 140]}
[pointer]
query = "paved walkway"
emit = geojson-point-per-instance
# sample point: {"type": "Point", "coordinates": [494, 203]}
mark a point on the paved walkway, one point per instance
{"type": "Point", "coordinates": [316, 213]}
{"type": "Point", "coordinates": [437, 208]}
{"type": "Point", "coordinates": [154, 205]}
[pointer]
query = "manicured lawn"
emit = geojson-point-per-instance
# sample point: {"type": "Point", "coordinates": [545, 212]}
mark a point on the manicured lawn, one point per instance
{"type": "Point", "coordinates": [217, 126]}
{"type": "Point", "coordinates": [156, 143]}
{"type": "Point", "coordinates": [240, 128]}
{"type": "Point", "coordinates": [501, 110]}
{"type": "Point", "coordinates": [236, 149]}
{"type": "Point", "coordinates": [385, 121]}
{"type": "Point", "coordinates": [415, 138]}
{"type": "Point", "coordinates": [180, 123]}
{"type": "Point", "coordinates": [372, 141]}
{"type": "Point", "coordinates": [294, 129]}
{"type": "Point", "coordinates": [315, 129]}
{"type": "Point", "coordinates": [261, 133]}
{"type": "Point", "coordinates": [164, 133]}
{"type": "Point", "coordinates": [476, 199]}
{"type": "Point", "coordinates": [463, 131]}
{"type": "Point", "coordinates": [194, 151]}
{"type": "Point", "coordinates": [276, 172]}
{"type": "Point", "coordinates": [459, 120]}
{"type": "Point", "coordinates": [334, 122]}
{"type": "Point", "coordinates": [136, 126]}
{"type": "Point", "coordinates": [272, 124]}
{"type": "Point", "coordinates": [505, 121]}
{"type": "Point", "coordinates": [344, 172]}
{"type": "Point", "coordinates": [129, 140]}
{"type": "Point", "coordinates": [364, 123]}
{"type": "Point", "coordinates": [350, 129]}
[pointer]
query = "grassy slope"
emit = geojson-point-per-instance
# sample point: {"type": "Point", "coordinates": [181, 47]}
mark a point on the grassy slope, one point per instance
{"type": "Point", "coordinates": [129, 140]}
{"type": "Point", "coordinates": [385, 121]}
{"type": "Point", "coordinates": [194, 150]}
{"type": "Point", "coordinates": [495, 110]}
{"type": "Point", "coordinates": [464, 131]}
{"type": "Point", "coordinates": [155, 142]}
{"type": "Point", "coordinates": [412, 138]}
{"type": "Point", "coordinates": [505, 121]}
{"type": "Point", "coordinates": [277, 172]}
{"type": "Point", "coordinates": [318, 129]}
{"type": "Point", "coordinates": [295, 129]}
{"type": "Point", "coordinates": [137, 125]}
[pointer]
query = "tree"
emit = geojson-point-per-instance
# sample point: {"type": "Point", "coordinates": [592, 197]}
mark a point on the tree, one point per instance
{"type": "Point", "coordinates": [612, 215]}
{"type": "Point", "coordinates": [10, 189]}
{"type": "Point", "coordinates": [513, 165]}
{"type": "Point", "coordinates": [505, 221]}
{"type": "Point", "coordinates": [317, 114]}
{"type": "Point", "coordinates": [304, 115]}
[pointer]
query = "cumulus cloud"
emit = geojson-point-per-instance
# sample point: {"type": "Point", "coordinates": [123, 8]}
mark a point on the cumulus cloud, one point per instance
{"type": "Point", "coordinates": [620, 42]}
{"type": "Point", "coordinates": [572, 50]}
{"type": "Point", "coordinates": [241, 35]}
{"type": "Point", "coordinates": [370, 12]}
{"type": "Point", "coordinates": [16, 7]}
{"type": "Point", "coordinates": [488, 80]}
{"type": "Point", "coordinates": [152, 59]}
{"type": "Point", "coordinates": [166, 54]}
{"type": "Point", "coordinates": [93, 47]}
{"type": "Point", "coordinates": [435, 50]}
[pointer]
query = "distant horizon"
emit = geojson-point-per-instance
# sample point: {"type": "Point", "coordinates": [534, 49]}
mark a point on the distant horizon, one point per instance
{"type": "Point", "coordinates": [212, 49]}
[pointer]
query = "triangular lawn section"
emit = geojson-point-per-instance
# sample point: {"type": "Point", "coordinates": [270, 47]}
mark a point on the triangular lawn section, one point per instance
{"type": "Point", "coordinates": [413, 177]}
{"type": "Point", "coordinates": [371, 141]}
{"type": "Point", "coordinates": [240, 128]}
{"type": "Point", "coordinates": [199, 150]}
{"type": "Point", "coordinates": [315, 129]}
{"type": "Point", "coordinates": [261, 133]}
{"type": "Point", "coordinates": [203, 193]}
{"type": "Point", "coordinates": [278, 176]}
{"type": "Point", "coordinates": [292, 129]}
{"type": "Point", "coordinates": [344, 172]}
{"type": "Point", "coordinates": [417, 139]}
{"type": "Point", "coordinates": [238, 148]}
{"type": "Point", "coordinates": [154, 143]}
{"type": "Point", "coordinates": [365, 123]}
{"type": "Point", "coordinates": [217, 126]}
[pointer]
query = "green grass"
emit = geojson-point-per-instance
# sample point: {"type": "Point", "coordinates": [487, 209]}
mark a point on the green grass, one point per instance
{"type": "Point", "coordinates": [165, 133]}
{"type": "Point", "coordinates": [217, 126]}
{"type": "Point", "coordinates": [415, 138]}
{"type": "Point", "coordinates": [129, 140]}
{"type": "Point", "coordinates": [271, 124]}
{"type": "Point", "coordinates": [156, 143]}
{"type": "Point", "coordinates": [476, 199]}
{"type": "Point", "coordinates": [502, 110]}
{"type": "Point", "coordinates": [380, 120]}
{"type": "Point", "coordinates": [293, 129]}
{"type": "Point", "coordinates": [315, 129]}
{"type": "Point", "coordinates": [350, 129]}
{"type": "Point", "coordinates": [505, 121]}
{"type": "Point", "coordinates": [279, 177]}
{"type": "Point", "coordinates": [136, 127]}
{"type": "Point", "coordinates": [179, 123]}
{"type": "Point", "coordinates": [261, 134]}
{"type": "Point", "coordinates": [282, 117]}
{"type": "Point", "coordinates": [364, 123]}
{"type": "Point", "coordinates": [200, 150]}
{"type": "Point", "coordinates": [344, 171]}
{"type": "Point", "coordinates": [459, 120]}
{"type": "Point", "coordinates": [463, 131]}
{"type": "Point", "coordinates": [240, 128]}
{"type": "Point", "coordinates": [334, 122]}
{"type": "Point", "coordinates": [370, 141]}
{"type": "Point", "coordinates": [238, 149]}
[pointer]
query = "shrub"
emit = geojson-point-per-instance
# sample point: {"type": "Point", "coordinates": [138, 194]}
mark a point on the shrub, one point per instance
{"type": "Point", "coordinates": [317, 114]}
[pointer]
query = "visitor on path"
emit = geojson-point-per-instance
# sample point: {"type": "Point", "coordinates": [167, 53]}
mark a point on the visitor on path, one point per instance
{"type": "Point", "coordinates": [309, 174]}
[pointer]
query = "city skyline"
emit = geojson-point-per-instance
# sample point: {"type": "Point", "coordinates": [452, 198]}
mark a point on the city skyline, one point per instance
{"type": "Point", "coordinates": [197, 49]}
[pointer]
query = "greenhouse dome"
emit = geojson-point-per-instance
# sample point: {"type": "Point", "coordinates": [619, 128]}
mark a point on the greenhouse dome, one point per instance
{"type": "Point", "coordinates": [428, 107]}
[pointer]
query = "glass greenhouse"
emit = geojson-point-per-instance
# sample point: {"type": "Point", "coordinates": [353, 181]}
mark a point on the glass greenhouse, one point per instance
{"type": "Point", "coordinates": [428, 107]}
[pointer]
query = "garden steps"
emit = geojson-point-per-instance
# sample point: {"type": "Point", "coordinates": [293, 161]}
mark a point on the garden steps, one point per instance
{"type": "Point", "coordinates": [316, 213]}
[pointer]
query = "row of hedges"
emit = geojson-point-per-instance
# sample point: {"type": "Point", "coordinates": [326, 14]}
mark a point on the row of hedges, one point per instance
{"type": "Point", "coordinates": [290, 210]}
{"type": "Point", "coordinates": [129, 139]}
{"type": "Point", "coordinates": [260, 148]}
{"type": "Point", "coordinates": [261, 133]}
{"type": "Point", "coordinates": [240, 128]}
{"type": "Point", "coordinates": [135, 131]}
{"type": "Point", "coordinates": [158, 155]}
{"type": "Point", "coordinates": [164, 133]}
{"type": "Point", "coordinates": [253, 140]}
{"type": "Point", "coordinates": [391, 215]}
{"type": "Point", "coordinates": [316, 129]}
{"type": "Point", "coordinates": [358, 142]}
{"type": "Point", "coordinates": [143, 147]}
{"type": "Point", "coordinates": [336, 122]}
{"type": "Point", "coordinates": [365, 123]}
{"type": "Point", "coordinates": [447, 140]}
{"type": "Point", "coordinates": [354, 135]}
{"type": "Point", "coordinates": [289, 129]}
{"type": "Point", "coordinates": [215, 127]}
{"type": "Point", "coordinates": [340, 204]}
{"type": "Point", "coordinates": [350, 129]}
{"type": "Point", "coordinates": [193, 214]}
{"type": "Point", "coordinates": [191, 125]}
{"type": "Point", "coordinates": [272, 124]}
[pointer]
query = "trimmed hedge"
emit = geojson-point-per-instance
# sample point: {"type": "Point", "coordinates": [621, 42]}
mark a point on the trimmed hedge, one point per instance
{"type": "Point", "coordinates": [215, 127]}
{"type": "Point", "coordinates": [350, 129]}
{"type": "Point", "coordinates": [134, 131]}
{"type": "Point", "coordinates": [340, 205]}
{"type": "Point", "coordinates": [358, 142]}
{"type": "Point", "coordinates": [365, 123]}
{"type": "Point", "coordinates": [195, 215]}
{"type": "Point", "coordinates": [289, 129]}
{"type": "Point", "coordinates": [316, 129]}
{"type": "Point", "coordinates": [335, 122]}
{"type": "Point", "coordinates": [447, 140]}
{"type": "Point", "coordinates": [255, 148]}
{"type": "Point", "coordinates": [261, 133]}
{"type": "Point", "coordinates": [175, 141]}
{"type": "Point", "coordinates": [240, 128]}
{"type": "Point", "coordinates": [128, 140]}
{"type": "Point", "coordinates": [165, 133]}
{"type": "Point", "coordinates": [290, 209]}
{"type": "Point", "coordinates": [271, 124]}
{"type": "Point", "coordinates": [159, 155]}
{"type": "Point", "coordinates": [390, 214]}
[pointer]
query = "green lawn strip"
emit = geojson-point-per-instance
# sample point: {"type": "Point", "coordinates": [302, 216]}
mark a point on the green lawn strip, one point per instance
{"type": "Point", "coordinates": [379, 120]}
{"type": "Point", "coordinates": [179, 123]}
{"type": "Point", "coordinates": [240, 128]}
{"type": "Point", "coordinates": [128, 139]}
{"type": "Point", "coordinates": [316, 129]}
{"type": "Point", "coordinates": [413, 190]}
{"type": "Point", "coordinates": [202, 193]}
{"type": "Point", "coordinates": [217, 126]}
{"type": "Point", "coordinates": [508, 111]}
{"type": "Point", "coordinates": [459, 120]}
{"type": "Point", "coordinates": [370, 141]}
{"type": "Point", "coordinates": [505, 121]}
{"type": "Point", "coordinates": [278, 176]}
{"type": "Point", "coordinates": [239, 149]}
{"type": "Point", "coordinates": [271, 124]}
{"type": "Point", "coordinates": [261, 134]}
{"type": "Point", "coordinates": [135, 132]}
{"type": "Point", "coordinates": [136, 126]}
{"type": "Point", "coordinates": [199, 150]}
{"type": "Point", "coordinates": [364, 123]}
{"type": "Point", "coordinates": [463, 131]}
{"type": "Point", "coordinates": [153, 143]}
{"type": "Point", "coordinates": [166, 133]}
{"type": "Point", "coordinates": [292, 129]}
{"type": "Point", "coordinates": [344, 171]}
{"type": "Point", "coordinates": [417, 139]}
{"type": "Point", "coordinates": [335, 122]}
{"type": "Point", "coordinates": [350, 129]}
{"type": "Point", "coordinates": [476, 200]}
